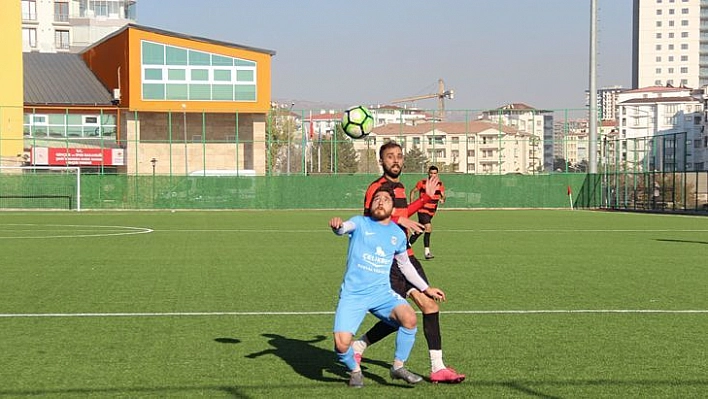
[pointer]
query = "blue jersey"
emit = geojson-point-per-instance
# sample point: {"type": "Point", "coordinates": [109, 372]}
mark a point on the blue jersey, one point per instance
{"type": "Point", "coordinates": [372, 246]}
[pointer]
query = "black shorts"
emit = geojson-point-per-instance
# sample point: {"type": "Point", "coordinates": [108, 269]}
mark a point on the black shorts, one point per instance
{"type": "Point", "coordinates": [424, 218]}
{"type": "Point", "coordinates": [398, 280]}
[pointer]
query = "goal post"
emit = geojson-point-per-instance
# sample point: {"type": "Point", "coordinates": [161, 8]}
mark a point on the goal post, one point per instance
{"type": "Point", "coordinates": [40, 187]}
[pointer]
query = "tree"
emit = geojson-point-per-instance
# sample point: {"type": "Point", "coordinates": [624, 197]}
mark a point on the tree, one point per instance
{"type": "Point", "coordinates": [560, 165]}
{"type": "Point", "coordinates": [280, 133]}
{"type": "Point", "coordinates": [337, 155]}
{"type": "Point", "coordinates": [581, 166]}
{"type": "Point", "coordinates": [369, 161]}
{"type": "Point", "coordinates": [415, 161]}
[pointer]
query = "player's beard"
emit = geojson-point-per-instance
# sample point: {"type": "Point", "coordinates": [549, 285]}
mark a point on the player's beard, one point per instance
{"type": "Point", "coordinates": [391, 173]}
{"type": "Point", "coordinates": [379, 213]}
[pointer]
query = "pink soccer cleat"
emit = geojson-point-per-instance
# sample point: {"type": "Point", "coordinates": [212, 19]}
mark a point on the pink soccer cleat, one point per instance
{"type": "Point", "coordinates": [447, 375]}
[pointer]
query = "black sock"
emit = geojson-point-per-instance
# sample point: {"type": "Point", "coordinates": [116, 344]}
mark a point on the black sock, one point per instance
{"type": "Point", "coordinates": [379, 331]}
{"type": "Point", "coordinates": [426, 240]}
{"type": "Point", "coordinates": [413, 239]}
{"type": "Point", "coordinates": [431, 329]}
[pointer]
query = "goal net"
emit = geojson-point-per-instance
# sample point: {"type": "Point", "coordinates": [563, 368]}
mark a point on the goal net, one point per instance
{"type": "Point", "coordinates": [40, 187]}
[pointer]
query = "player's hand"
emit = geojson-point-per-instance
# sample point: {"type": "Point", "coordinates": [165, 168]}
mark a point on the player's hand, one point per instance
{"type": "Point", "coordinates": [435, 293]}
{"type": "Point", "coordinates": [335, 223]}
{"type": "Point", "coordinates": [410, 224]}
{"type": "Point", "coordinates": [431, 185]}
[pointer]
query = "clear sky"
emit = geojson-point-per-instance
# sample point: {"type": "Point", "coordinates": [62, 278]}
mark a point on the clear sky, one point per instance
{"type": "Point", "coordinates": [490, 52]}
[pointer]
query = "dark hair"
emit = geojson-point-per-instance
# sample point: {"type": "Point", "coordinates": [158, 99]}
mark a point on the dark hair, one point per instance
{"type": "Point", "coordinates": [388, 188]}
{"type": "Point", "coordinates": [432, 167]}
{"type": "Point", "coordinates": [386, 146]}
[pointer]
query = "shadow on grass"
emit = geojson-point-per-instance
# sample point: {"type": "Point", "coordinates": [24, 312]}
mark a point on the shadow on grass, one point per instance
{"type": "Point", "coordinates": [227, 340]}
{"type": "Point", "coordinates": [311, 361]}
{"type": "Point", "coordinates": [527, 388]}
{"type": "Point", "coordinates": [683, 241]}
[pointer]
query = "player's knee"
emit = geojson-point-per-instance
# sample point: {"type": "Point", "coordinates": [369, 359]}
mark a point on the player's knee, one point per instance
{"type": "Point", "coordinates": [428, 305]}
{"type": "Point", "coordinates": [342, 342]}
{"type": "Point", "coordinates": [408, 319]}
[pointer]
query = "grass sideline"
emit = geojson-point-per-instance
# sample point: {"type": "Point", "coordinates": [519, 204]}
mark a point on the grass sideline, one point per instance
{"type": "Point", "coordinates": [240, 304]}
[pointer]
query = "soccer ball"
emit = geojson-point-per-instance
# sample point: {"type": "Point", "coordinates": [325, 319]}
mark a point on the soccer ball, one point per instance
{"type": "Point", "coordinates": [357, 122]}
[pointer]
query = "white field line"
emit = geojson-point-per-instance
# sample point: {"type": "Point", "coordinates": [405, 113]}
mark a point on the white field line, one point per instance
{"type": "Point", "coordinates": [315, 313]}
{"type": "Point", "coordinates": [569, 230]}
{"type": "Point", "coordinates": [28, 231]}
{"type": "Point", "coordinates": [25, 230]}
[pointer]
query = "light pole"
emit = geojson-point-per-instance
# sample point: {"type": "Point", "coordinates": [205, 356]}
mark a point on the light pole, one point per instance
{"type": "Point", "coordinates": [184, 125]}
{"type": "Point", "coordinates": [153, 161]}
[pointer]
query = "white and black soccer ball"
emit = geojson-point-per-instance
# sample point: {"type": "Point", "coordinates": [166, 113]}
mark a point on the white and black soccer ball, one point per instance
{"type": "Point", "coordinates": [357, 122]}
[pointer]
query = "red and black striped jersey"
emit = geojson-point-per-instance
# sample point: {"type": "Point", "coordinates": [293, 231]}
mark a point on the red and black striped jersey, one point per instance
{"type": "Point", "coordinates": [431, 206]}
{"type": "Point", "coordinates": [400, 201]}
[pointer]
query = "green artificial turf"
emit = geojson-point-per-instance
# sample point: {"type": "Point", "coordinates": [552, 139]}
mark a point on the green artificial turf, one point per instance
{"type": "Point", "coordinates": [239, 304]}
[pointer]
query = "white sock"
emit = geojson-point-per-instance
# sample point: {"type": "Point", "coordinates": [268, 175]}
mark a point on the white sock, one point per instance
{"type": "Point", "coordinates": [436, 360]}
{"type": "Point", "coordinates": [427, 251]}
{"type": "Point", "coordinates": [359, 346]}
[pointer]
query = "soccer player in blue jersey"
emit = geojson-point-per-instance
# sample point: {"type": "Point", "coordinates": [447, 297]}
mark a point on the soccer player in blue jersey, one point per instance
{"type": "Point", "coordinates": [391, 160]}
{"type": "Point", "coordinates": [374, 242]}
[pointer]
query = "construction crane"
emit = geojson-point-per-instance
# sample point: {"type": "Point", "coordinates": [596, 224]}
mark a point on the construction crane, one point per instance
{"type": "Point", "coordinates": [441, 95]}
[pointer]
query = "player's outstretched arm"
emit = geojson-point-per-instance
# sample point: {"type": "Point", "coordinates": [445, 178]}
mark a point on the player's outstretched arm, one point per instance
{"type": "Point", "coordinates": [340, 227]}
{"type": "Point", "coordinates": [431, 185]}
{"type": "Point", "coordinates": [435, 293]}
{"type": "Point", "coordinates": [335, 223]}
{"type": "Point", "coordinates": [411, 196]}
{"type": "Point", "coordinates": [409, 224]}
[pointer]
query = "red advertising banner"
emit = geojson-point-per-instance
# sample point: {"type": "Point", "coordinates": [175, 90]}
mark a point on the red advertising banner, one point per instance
{"type": "Point", "coordinates": [54, 156]}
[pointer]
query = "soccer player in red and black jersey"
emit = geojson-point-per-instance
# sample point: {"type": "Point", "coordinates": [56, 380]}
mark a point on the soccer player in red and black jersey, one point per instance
{"type": "Point", "coordinates": [391, 160]}
{"type": "Point", "coordinates": [426, 213]}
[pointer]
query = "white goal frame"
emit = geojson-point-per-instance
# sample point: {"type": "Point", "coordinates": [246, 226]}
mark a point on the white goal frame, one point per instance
{"type": "Point", "coordinates": [72, 169]}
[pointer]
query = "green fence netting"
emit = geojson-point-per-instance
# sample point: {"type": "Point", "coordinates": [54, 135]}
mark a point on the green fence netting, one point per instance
{"type": "Point", "coordinates": [284, 192]}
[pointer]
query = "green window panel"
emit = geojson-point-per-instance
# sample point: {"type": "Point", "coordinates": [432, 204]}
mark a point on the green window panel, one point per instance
{"type": "Point", "coordinates": [199, 92]}
{"type": "Point", "coordinates": [176, 56]}
{"type": "Point", "coordinates": [74, 130]}
{"type": "Point", "coordinates": [56, 130]}
{"type": "Point", "coordinates": [177, 74]}
{"type": "Point", "coordinates": [240, 62]}
{"type": "Point", "coordinates": [72, 119]}
{"type": "Point", "coordinates": [176, 92]}
{"type": "Point", "coordinates": [200, 75]}
{"type": "Point", "coordinates": [40, 130]}
{"type": "Point", "coordinates": [221, 75]}
{"type": "Point", "coordinates": [199, 58]}
{"type": "Point", "coordinates": [90, 131]}
{"type": "Point", "coordinates": [244, 76]}
{"type": "Point", "coordinates": [58, 119]}
{"type": "Point", "coordinates": [153, 74]}
{"type": "Point", "coordinates": [245, 93]}
{"type": "Point", "coordinates": [108, 119]}
{"type": "Point", "coordinates": [223, 92]}
{"type": "Point", "coordinates": [153, 91]}
{"type": "Point", "coordinates": [153, 54]}
{"type": "Point", "coordinates": [217, 60]}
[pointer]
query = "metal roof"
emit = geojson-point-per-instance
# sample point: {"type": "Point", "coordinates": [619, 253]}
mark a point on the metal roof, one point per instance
{"type": "Point", "coordinates": [178, 35]}
{"type": "Point", "coordinates": [61, 79]}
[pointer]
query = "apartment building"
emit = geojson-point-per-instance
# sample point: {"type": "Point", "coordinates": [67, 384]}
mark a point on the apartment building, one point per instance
{"type": "Point", "coordinates": [606, 102]}
{"type": "Point", "coordinates": [323, 122]}
{"type": "Point", "coordinates": [537, 123]}
{"type": "Point", "coordinates": [662, 128]}
{"type": "Point", "coordinates": [476, 147]}
{"type": "Point", "coordinates": [51, 26]}
{"type": "Point", "coordinates": [668, 43]}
